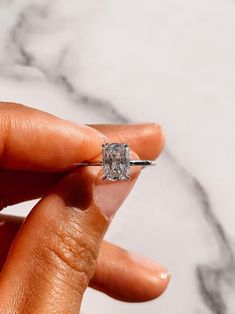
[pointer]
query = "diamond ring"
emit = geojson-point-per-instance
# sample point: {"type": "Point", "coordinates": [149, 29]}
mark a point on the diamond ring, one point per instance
{"type": "Point", "coordinates": [116, 162]}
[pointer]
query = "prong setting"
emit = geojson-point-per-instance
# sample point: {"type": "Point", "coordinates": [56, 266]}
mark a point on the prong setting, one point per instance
{"type": "Point", "coordinates": [116, 161]}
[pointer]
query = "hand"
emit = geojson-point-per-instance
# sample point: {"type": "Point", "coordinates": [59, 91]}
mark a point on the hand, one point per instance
{"type": "Point", "coordinates": [54, 255]}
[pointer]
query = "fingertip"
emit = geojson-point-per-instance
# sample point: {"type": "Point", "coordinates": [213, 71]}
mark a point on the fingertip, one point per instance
{"type": "Point", "coordinates": [146, 139]}
{"type": "Point", "coordinates": [127, 276]}
{"type": "Point", "coordinates": [153, 278]}
{"type": "Point", "coordinates": [156, 140]}
{"type": "Point", "coordinates": [158, 284]}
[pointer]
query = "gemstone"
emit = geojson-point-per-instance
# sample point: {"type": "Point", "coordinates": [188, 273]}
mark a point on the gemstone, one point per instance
{"type": "Point", "coordinates": [116, 161]}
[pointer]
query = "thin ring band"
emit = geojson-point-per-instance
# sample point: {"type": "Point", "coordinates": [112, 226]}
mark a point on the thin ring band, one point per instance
{"type": "Point", "coordinates": [132, 163]}
{"type": "Point", "coordinates": [116, 162]}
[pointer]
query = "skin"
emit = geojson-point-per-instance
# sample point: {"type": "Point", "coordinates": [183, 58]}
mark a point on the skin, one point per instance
{"type": "Point", "coordinates": [48, 260]}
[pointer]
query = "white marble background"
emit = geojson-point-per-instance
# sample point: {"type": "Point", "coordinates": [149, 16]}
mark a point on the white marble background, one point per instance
{"type": "Point", "coordinates": [167, 61]}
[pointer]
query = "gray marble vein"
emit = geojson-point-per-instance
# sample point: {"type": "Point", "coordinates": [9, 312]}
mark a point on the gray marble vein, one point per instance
{"type": "Point", "coordinates": [209, 277]}
{"type": "Point", "coordinates": [212, 278]}
{"type": "Point", "coordinates": [20, 30]}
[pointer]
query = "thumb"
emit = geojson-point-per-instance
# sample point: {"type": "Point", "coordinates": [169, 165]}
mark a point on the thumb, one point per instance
{"type": "Point", "coordinates": [54, 255]}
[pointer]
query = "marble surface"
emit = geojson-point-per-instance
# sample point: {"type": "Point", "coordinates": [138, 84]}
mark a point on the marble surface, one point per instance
{"type": "Point", "coordinates": [171, 62]}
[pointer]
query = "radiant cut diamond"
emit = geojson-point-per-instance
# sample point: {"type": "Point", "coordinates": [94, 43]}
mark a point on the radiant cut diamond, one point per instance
{"type": "Point", "coordinates": [116, 161]}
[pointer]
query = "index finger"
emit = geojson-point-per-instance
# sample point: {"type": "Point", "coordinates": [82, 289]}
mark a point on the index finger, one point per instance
{"type": "Point", "coordinates": [145, 139]}
{"type": "Point", "coordinates": [31, 139]}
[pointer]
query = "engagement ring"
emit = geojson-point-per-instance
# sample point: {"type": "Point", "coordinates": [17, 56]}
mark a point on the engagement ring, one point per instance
{"type": "Point", "coordinates": [116, 162]}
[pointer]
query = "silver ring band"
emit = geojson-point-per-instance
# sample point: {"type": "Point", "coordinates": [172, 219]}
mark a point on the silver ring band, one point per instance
{"type": "Point", "coordinates": [143, 163]}
{"type": "Point", "coordinates": [116, 162]}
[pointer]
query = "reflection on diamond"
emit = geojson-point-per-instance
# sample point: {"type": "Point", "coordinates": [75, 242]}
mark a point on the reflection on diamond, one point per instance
{"type": "Point", "coordinates": [116, 161]}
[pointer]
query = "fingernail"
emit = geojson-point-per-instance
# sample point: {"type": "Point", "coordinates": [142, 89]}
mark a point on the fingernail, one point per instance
{"type": "Point", "coordinates": [109, 195]}
{"type": "Point", "coordinates": [159, 271]}
{"type": "Point", "coordinates": [165, 275]}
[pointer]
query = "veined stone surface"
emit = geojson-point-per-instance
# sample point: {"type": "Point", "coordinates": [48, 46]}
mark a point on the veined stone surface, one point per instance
{"type": "Point", "coordinates": [165, 61]}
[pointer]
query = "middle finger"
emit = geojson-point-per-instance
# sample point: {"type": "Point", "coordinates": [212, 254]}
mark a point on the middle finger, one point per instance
{"type": "Point", "coordinates": [116, 270]}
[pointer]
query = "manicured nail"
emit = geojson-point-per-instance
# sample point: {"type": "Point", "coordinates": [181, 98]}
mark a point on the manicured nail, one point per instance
{"type": "Point", "coordinates": [165, 275]}
{"type": "Point", "coordinates": [109, 195]}
{"type": "Point", "coordinates": [159, 271]}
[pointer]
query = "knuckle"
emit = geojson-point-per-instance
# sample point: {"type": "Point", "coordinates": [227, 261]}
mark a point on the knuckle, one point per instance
{"type": "Point", "coordinates": [70, 250]}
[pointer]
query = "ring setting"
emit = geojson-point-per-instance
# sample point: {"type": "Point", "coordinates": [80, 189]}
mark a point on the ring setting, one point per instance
{"type": "Point", "coordinates": [116, 162]}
